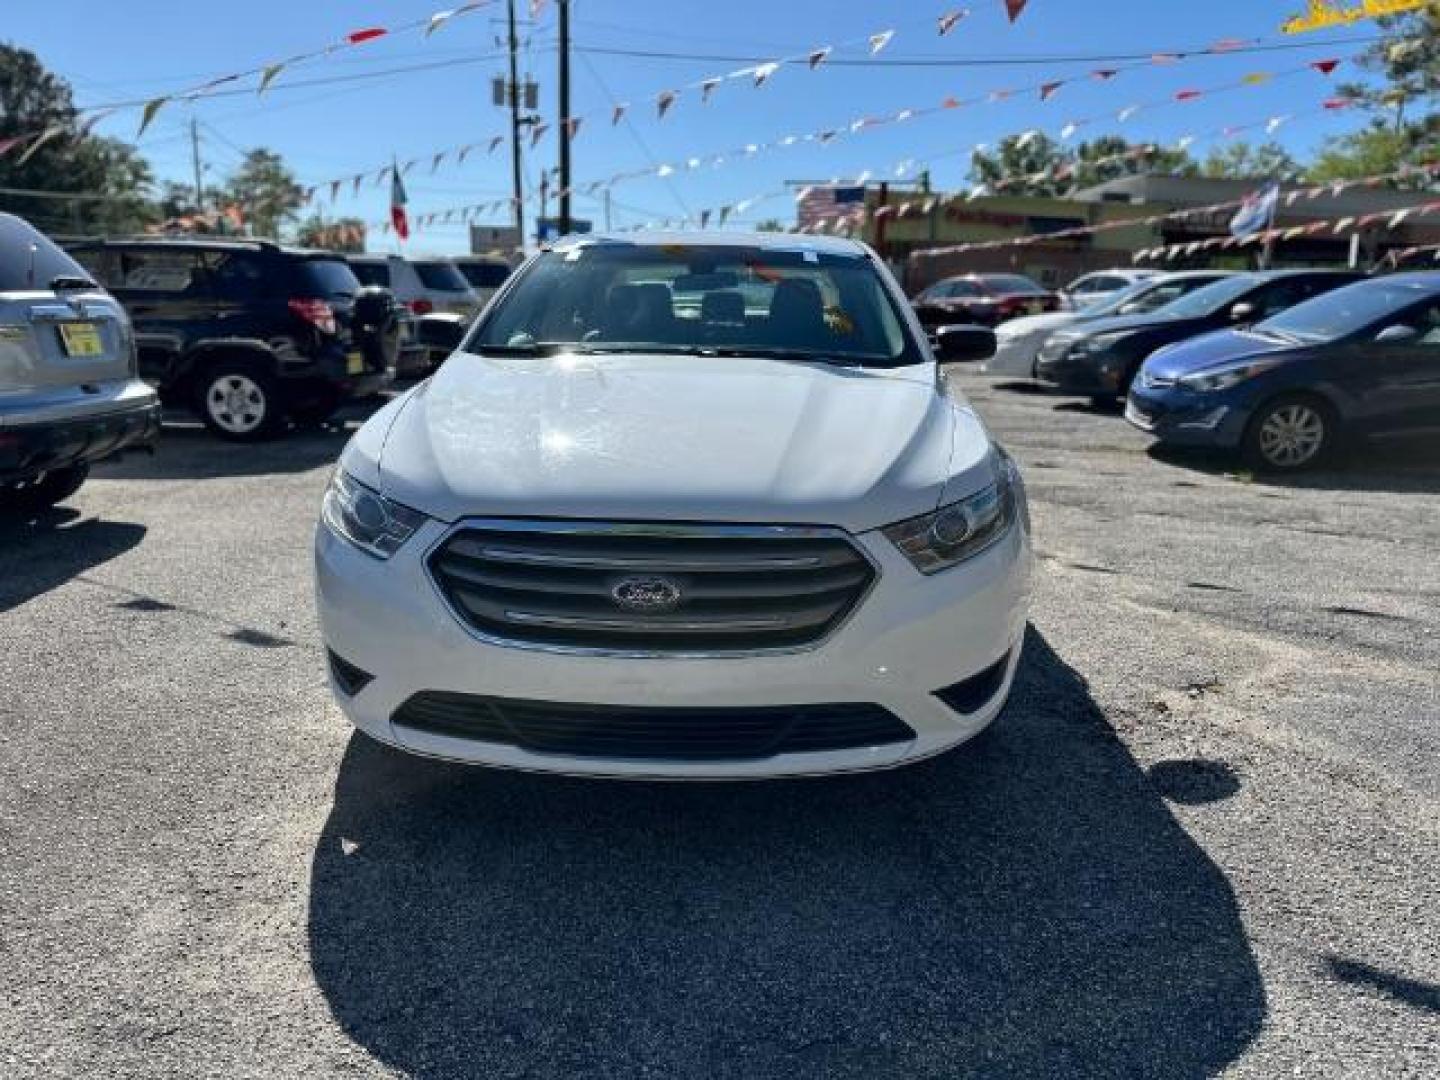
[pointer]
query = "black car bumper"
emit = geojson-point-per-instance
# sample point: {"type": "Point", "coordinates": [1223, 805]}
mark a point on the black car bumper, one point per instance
{"type": "Point", "coordinates": [1092, 375]}
{"type": "Point", "coordinates": [31, 449]}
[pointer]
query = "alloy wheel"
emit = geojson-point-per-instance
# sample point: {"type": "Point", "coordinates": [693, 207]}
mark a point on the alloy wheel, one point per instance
{"type": "Point", "coordinates": [1292, 435]}
{"type": "Point", "coordinates": [236, 403]}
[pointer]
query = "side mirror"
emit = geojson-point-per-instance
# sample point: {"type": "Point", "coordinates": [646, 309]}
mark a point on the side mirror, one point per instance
{"type": "Point", "coordinates": [1243, 312]}
{"type": "Point", "coordinates": [1396, 335]}
{"type": "Point", "coordinates": [961, 344]}
{"type": "Point", "coordinates": [1132, 308]}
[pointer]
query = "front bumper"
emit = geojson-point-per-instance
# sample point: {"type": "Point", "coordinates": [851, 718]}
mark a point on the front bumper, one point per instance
{"type": "Point", "coordinates": [910, 637]}
{"type": "Point", "coordinates": [27, 450]}
{"type": "Point", "coordinates": [1016, 356]}
{"type": "Point", "coordinates": [1093, 373]}
{"type": "Point", "coordinates": [1184, 418]}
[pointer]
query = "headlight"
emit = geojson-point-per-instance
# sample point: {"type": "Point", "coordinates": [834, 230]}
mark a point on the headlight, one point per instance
{"type": "Point", "coordinates": [962, 530]}
{"type": "Point", "coordinates": [1207, 382]}
{"type": "Point", "coordinates": [373, 523]}
{"type": "Point", "coordinates": [1099, 344]}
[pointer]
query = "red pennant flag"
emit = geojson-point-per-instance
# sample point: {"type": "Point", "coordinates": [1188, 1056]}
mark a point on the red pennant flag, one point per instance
{"type": "Point", "coordinates": [1336, 103]}
{"type": "Point", "coordinates": [572, 127]}
{"type": "Point", "coordinates": [1047, 91]}
{"type": "Point", "coordinates": [1015, 8]}
{"type": "Point", "coordinates": [1188, 95]}
{"type": "Point", "coordinates": [1104, 74]}
{"type": "Point", "coordinates": [358, 37]}
{"type": "Point", "coordinates": [950, 103]}
{"type": "Point", "coordinates": [1225, 45]}
{"type": "Point", "coordinates": [1325, 67]}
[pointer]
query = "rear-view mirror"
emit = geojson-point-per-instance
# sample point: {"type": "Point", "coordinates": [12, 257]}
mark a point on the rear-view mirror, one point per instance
{"type": "Point", "coordinates": [961, 344]}
{"type": "Point", "coordinates": [1396, 335]}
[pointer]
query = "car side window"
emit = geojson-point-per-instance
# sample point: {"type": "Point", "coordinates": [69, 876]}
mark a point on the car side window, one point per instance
{"type": "Point", "coordinates": [1427, 324]}
{"type": "Point", "coordinates": [1283, 295]}
{"type": "Point", "coordinates": [160, 271]}
{"type": "Point", "coordinates": [100, 263]}
{"type": "Point", "coordinates": [235, 276]}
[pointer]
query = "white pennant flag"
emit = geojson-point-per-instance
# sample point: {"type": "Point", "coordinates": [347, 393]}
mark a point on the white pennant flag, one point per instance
{"type": "Point", "coordinates": [880, 40]}
{"type": "Point", "coordinates": [1275, 123]}
{"type": "Point", "coordinates": [1127, 112]}
{"type": "Point", "coordinates": [764, 71]}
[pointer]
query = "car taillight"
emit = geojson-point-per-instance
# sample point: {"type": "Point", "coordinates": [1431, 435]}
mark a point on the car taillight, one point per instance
{"type": "Point", "coordinates": [318, 313]}
{"type": "Point", "coordinates": [421, 307]}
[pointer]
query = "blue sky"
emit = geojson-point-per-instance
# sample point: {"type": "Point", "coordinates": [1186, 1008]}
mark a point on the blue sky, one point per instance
{"type": "Point", "coordinates": [117, 51]}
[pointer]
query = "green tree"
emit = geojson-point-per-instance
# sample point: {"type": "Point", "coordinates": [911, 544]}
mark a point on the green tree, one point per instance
{"type": "Point", "coordinates": [266, 192]}
{"type": "Point", "coordinates": [1402, 101]}
{"type": "Point", "coordinates": [1247, 161]}
{"type": "Point", "coordinates": [1035, 164]}
{"type": "Point", "coordinates": [345, 234]}
{"type": "Point", "coordinates": [64, 157]}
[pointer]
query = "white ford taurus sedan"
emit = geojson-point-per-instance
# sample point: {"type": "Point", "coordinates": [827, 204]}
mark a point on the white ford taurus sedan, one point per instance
{"type": "Point", "coordinates": [685, 506]}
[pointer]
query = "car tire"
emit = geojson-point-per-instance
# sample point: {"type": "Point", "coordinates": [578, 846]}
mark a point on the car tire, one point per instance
{"type": "Point", "coordinates": [239, 400]}
{"type": "Point", "coordinates": [48, 490]}
{"type": "Point", "coordinates": [1290, 433]}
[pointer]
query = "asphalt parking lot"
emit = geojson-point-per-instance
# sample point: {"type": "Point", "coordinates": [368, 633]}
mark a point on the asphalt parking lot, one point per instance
{"type": "Point", "coordinates": [1203, 839]}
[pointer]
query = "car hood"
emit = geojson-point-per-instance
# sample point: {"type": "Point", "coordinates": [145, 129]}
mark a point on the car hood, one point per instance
{"type": "Point", "coordinates": [1035, 324]}
{"type": "Point", "coordinates": [1214, 350]}
{"type": "Point", "coordinates": [1116, 324]}
{"type": "Point", "coordinates": [674, 438]}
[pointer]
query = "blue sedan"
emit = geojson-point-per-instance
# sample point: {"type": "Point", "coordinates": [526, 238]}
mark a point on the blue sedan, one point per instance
{"type": "Point", "coordinates": [1362, 360]}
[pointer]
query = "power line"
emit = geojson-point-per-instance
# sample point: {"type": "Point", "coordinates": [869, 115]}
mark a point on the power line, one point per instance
{"type": "Point", "coordinates": [988, 61]}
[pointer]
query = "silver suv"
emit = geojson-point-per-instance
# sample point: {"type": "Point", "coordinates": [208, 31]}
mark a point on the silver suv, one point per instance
{"type": "Point", "coordinates": [69, 389]}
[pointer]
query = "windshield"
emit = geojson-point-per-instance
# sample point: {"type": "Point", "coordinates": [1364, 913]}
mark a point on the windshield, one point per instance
{"type": "Point", "coordinates": [1346, 311]}
{"type": "Point", "coordinates": [1210, 299]}
{"type": "Point", "coordinates": [442, 276]}
{"type": "Point", "coordinates": [1149, 295]}
{"type": "Point", "coordinates": [1010, 283]}
{"type": "Point", "coordinates": [758, 301]}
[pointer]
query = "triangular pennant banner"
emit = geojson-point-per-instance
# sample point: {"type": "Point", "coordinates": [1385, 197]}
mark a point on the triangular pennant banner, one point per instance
{"type": "Point", "coordinates": [880, 40]}
{"type": "Point", "coordinates": [268, 76]}
{"type": "Point", "coordinates": [1047, 90]}
{"type": "Point", "coordinates": [495, 140]}
{"type": "Point", "coordinates": [153, 106]}
{"type": "Point", "coordinates": [1015, 8]}
{"type": "Point", "coordinates": [370, 33]}
{"type": "Point", "coordinates": [707, 88]}
{"type": "Point", "coordinates": [663, 103]}
{"type": "Point", "coordinates": [45, 136]}
{"type": "Point", "coordinates": [618, 114]}
{"type": "Point", "coordinates": [764, 71]}
{"type": "Point", "coordinates": [1326, 67]}
{"type": "Point", "coordinates": [950, 19]}
{"type": "Point", "coordinates": [818, 57]}
{"type": "Point", "coordinates": [439, 19]}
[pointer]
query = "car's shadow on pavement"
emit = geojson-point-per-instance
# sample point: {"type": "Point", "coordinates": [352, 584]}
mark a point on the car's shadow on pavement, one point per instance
{"type": "Point", "coordinates": [42, 551]}
{"type": "Point", "coordinates": [1025, 907]}
{"type": "Point", "coordinates": [1400, 465]}
{"type": "Point", "coordinates": [187, 451]}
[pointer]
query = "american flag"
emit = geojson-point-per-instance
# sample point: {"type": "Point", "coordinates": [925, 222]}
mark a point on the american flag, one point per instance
{"type": "Point", "coordinates": [825, 203]}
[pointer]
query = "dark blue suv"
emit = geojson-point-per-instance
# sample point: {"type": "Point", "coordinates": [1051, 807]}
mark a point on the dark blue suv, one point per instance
{"type": "Point", "coordinates": [1362, 360]}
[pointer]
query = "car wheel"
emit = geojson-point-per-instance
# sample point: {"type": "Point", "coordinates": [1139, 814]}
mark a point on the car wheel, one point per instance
{"type": "Point", "coordinates": [239, 400]}
{"type": "Point", "coordinates": [1290, 433]}
{"type": "Point", "coordinates": [44, 491]}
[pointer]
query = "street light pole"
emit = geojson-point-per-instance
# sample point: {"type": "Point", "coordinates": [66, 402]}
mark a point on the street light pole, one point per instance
{"type": "Point", "coordinates": [519, 195]}
{"type": "Point", "coordinates": [563, 13]}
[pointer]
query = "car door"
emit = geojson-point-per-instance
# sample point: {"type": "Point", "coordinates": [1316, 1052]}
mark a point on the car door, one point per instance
{"type": "Point", "coordinates": [166, 293]}
{"type": "Point", "coordinates": [1406, 374]}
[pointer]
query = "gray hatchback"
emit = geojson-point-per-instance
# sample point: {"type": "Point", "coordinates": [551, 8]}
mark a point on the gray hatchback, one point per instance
{"type": "Point", "coordinates": [69, 389]}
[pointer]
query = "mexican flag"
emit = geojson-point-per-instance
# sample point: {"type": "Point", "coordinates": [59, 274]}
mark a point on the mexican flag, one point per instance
{"type": "Point", "coordinates": [398, 217]}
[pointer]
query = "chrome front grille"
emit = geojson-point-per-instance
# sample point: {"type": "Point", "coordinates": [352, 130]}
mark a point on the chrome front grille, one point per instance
{"type": "Point", "coordinates": [650, 589]}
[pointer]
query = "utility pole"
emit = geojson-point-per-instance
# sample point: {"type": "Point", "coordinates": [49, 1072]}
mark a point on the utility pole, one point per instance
{"type": "Point", "coordinates": [563, 13]}
{"type": "Point", "coordinates": [519, 195]}
{"type": "Point", "coordinates": [195, 161]}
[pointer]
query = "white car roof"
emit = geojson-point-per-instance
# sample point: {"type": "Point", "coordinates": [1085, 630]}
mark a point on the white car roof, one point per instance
{"type": "Point", "coordinates": [826, 245]}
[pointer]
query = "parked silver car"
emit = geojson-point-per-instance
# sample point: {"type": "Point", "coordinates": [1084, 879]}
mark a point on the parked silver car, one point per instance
{"type": "Point", "coordinates": [69, 388]}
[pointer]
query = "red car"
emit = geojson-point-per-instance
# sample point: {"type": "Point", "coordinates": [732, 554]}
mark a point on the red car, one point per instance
{"type": "Point", "coordinates": [982, 299]}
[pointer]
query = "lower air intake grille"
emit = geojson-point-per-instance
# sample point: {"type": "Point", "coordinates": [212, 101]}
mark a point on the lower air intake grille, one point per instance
{"type": "Point", "coordinates": [589, 731]}
{"type": "Point", "coordinates": [651, 588]}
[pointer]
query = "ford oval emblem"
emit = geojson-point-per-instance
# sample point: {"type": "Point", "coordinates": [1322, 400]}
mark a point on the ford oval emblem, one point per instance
{"type": "Point", "coordinates": [647, 595]}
